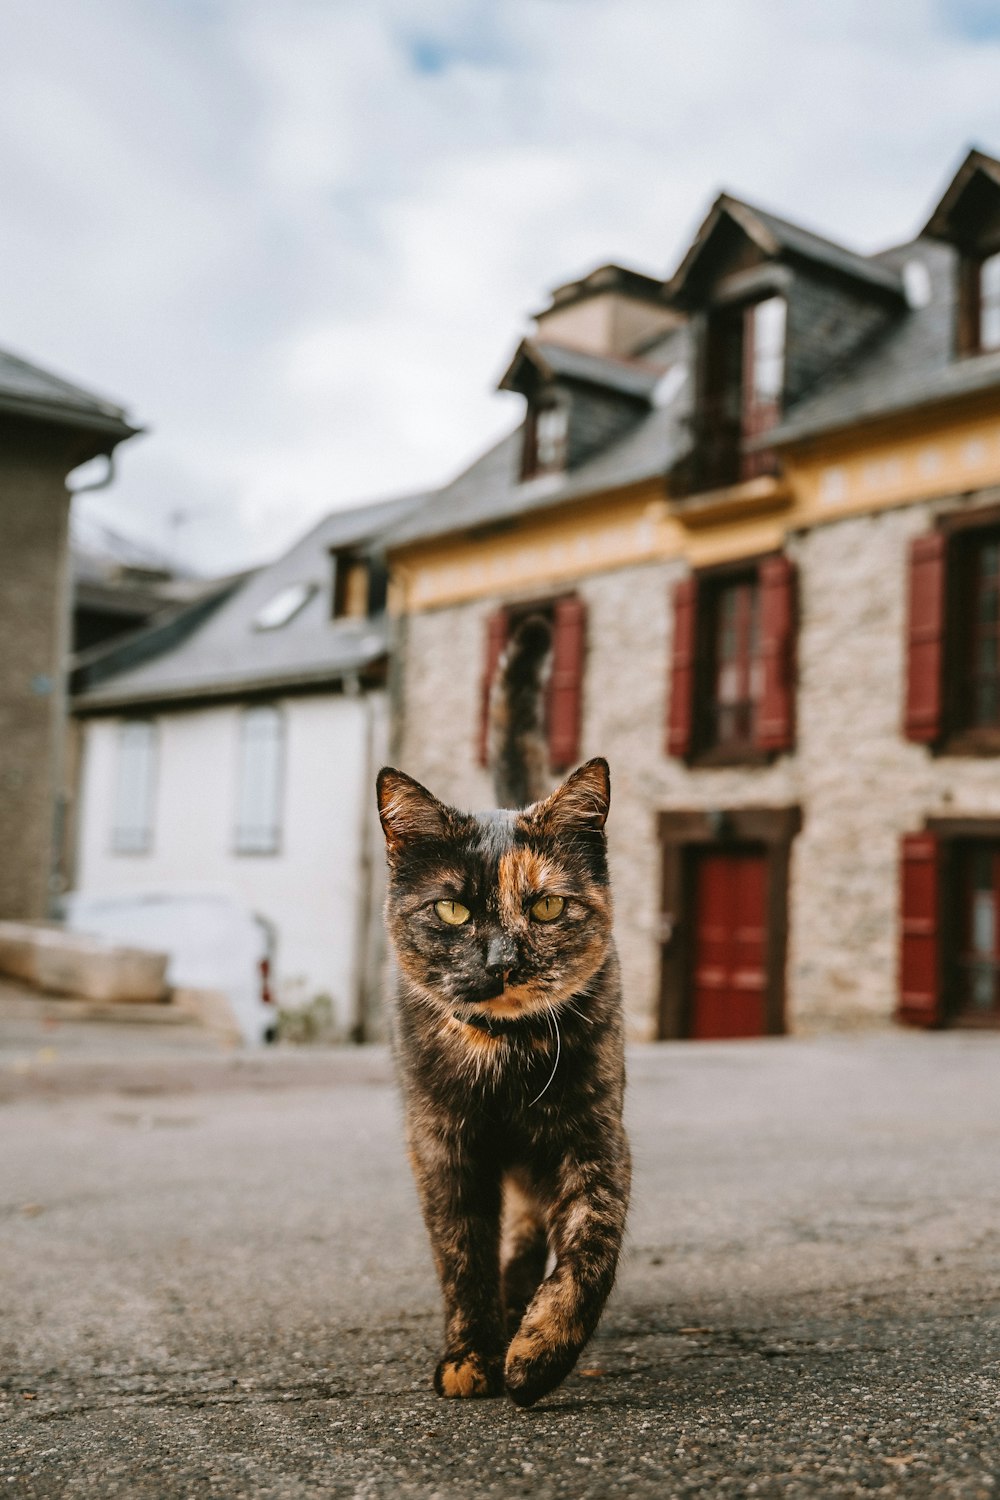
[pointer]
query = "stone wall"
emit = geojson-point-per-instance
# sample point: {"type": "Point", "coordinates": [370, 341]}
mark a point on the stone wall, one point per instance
{"type": "Point", "coordinates": [34, 619]}
{"type": "Point", "coordinates": [859, 783]}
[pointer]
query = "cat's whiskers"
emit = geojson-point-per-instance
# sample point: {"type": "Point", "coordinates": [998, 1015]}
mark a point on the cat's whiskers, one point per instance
{"type": "Point", "coordinates": [550, 1016]}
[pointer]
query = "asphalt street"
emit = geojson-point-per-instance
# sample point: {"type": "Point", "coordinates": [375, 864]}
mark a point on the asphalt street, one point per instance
{"type": "Point", "coordinates": [214, 1282]}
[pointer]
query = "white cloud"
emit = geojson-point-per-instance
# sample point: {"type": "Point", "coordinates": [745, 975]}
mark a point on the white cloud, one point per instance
{"type": "Point", "coordinates": [300, 240]}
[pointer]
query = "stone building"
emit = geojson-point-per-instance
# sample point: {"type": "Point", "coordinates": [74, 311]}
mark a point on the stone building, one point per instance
{"type": "Point", "coordinates": [760, 502]}
{"type": "Point", "coordinates": [47, 428]}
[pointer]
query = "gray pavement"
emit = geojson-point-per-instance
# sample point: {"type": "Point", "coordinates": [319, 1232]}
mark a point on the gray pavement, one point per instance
{"type": "Point", "coordinates": [214, 1282]}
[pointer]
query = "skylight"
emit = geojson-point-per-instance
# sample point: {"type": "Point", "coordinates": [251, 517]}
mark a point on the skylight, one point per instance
{"type": "Point", "coordinates": [283, 606]}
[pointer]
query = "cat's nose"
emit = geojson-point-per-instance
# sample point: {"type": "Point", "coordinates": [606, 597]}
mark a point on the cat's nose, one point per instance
{"type": "Point", "coordinates": [501, 955]}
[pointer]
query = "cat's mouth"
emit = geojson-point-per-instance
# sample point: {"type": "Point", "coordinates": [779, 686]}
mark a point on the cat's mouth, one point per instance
{"type": "Point", "coordinates": [489, 990]}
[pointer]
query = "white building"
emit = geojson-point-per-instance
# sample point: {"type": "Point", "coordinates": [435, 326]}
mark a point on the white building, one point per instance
{"type": "Point", "coordinates": [235, 745]}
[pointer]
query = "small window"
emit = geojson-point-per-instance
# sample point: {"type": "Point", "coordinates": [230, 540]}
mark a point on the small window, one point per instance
{"type": "Point", "coordinates": [978, 329]}
{"type": "Point", "coordinates": [979, 601]}
{"type": "Point", "coordinates": [545, 435]}
{"type": "Point", "coordinates": [261, 768]}
{"type": "Point", "coordinates": [989, 303]}
{"type": "Point", "coordinates": [132, 829]}
{"type": "Point", "coordinates": [766, 372]}
{"type": "Point", "coordinates": [283, 606]}
{"type": "Point", "coordinates": [349, 586]}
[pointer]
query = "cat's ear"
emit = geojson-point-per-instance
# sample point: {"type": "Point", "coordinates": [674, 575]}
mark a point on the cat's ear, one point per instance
{"type": "Point", "coordinates": [407, 810]}
{"type": "Point", "coordinates": [582, 801]}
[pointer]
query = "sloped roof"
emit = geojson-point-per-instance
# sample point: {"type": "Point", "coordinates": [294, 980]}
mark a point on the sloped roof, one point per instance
{"type": "Point", "coordinates": [227, 654]}
{"type": "Point", "coordinates": [491, 490]}
{"type": "Point", "coordinates": [626, 377]}
{"type": "Point", "coordinates": [610, 277]}
{"type": "Point", "coordinates": [977, 164]}
{"type": "Point", "coordinates": [776, 237]}
{"type": "Point", "coordinates": [29, 391]}
{"type": "Point", "coordinates": [911, 365]}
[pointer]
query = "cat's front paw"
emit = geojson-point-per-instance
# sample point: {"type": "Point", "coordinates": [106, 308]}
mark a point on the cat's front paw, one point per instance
{"type": "Point", "coordinates": [536, 1366]}
{"type": "Point", "coordinates": [468, 1374]}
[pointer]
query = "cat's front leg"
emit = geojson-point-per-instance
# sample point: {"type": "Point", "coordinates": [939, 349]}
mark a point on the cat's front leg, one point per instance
{"type": "Point", "coordinates": [461, 1206]}
{"type": "Point", "coordinates": [586, 1226]}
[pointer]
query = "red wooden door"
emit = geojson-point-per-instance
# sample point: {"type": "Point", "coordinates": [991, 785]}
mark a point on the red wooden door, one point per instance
{"type": "Point", "coordinates": [729, 972]}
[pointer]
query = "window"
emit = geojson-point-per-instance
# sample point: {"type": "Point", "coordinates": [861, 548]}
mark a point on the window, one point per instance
{"type": "Point", "coordinates": [953, 655]}
{"type": "Point", "coordinates": [742, 386]}
{"type": "Point", "coordinates": [350, 585]}
{"type": "Point", "coordinates": [731, 694]}
{"type": "Point", "coordinates": [545, 433]}
{"type": "Point", "coordinates": [259, 788]}
{"type": "Point", "coordinates": [950, 924]}
{"type": "Point", "coordinates": [283, 606]}
{"type": "Point", "coordinates": [132, 828]}
{"type": "Point", "coordinates": [979, 304]}
{"type": "Point", "coordinates": [989, 303]}
{"type": "Point", "coordinates": [735, 670]}
{"type": "Point", "coordinates": [977, 962]}
{"type": "Point", "coordinates": [568, 618]}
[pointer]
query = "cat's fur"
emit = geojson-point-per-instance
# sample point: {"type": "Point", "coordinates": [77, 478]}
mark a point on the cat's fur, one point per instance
{"type": "Point", "coordinates": [509, 1040]}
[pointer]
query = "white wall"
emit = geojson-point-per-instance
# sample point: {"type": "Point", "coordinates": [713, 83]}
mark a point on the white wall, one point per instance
{"type": "Point", "coordinates": [313, 888]}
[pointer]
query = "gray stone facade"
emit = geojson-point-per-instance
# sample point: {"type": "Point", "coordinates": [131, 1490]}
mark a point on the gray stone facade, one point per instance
{"type": "Point", "coordinates": [34, 638]}
{"type": "Point", "coordinates": [858, 782]}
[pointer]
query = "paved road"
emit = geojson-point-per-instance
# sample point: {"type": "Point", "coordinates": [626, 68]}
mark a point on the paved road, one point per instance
{"type": "Point", "coordinates": [214, 1283]}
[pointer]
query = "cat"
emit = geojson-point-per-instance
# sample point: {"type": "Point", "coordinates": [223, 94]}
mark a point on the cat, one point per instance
{"type": "Point", "coordinates": [509, 1044]}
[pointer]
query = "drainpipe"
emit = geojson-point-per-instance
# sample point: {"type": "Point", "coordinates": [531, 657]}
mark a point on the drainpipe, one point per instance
{"type": "Point", "coordinates": [59, 870]}
{"type": "Point", "coordinates": [97, 484]}
{"type": "Point", "coordinates": [359, 1023]}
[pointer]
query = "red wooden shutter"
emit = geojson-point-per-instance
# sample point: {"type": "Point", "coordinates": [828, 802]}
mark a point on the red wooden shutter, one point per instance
{"type": "Point", "coordinates": [680, 702]}
{"type": "Point", "coordinates": [569, 619]}
{"type": "Point", "coordinates": [775, 721]}
{"type": "Point", "coordinates": [920, 956]}
{"type": "Point", "coordinates": [924, 720]}
{"type": "Point", "coordinates": [496, 639]}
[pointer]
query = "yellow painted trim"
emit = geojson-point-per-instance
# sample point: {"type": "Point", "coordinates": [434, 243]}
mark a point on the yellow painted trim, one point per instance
{"type": "Point", "coordinates": [861, 472]}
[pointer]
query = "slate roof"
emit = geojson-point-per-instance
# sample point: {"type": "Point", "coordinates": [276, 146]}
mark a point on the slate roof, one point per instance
{"type": "Point", "coordinates": [223, 654]}
{"type": "Point", "coordinates": [490, 490]}
{"type": "Point", "coordinates": [29, 391]}
{"type": "Point", "coordinates": [911, 365]}
{"type": "Point", "coordinates": [777, 236]}
{"type": "Point", "coordinates": [628, 377]}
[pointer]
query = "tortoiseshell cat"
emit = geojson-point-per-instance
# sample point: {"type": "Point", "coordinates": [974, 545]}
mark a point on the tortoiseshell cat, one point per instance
{"type": "Point", "coordinates": [509, 1039]}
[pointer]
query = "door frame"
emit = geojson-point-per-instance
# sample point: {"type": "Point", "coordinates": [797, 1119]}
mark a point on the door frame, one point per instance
{"type": "Point", "coordinates": [720, 830]}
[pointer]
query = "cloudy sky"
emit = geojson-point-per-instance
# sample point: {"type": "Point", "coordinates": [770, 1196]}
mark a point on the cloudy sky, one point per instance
{"type": "Point", "coordinates": [299, 239]}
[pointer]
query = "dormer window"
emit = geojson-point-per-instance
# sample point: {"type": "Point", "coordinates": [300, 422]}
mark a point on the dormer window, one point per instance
{"type": "Point", "coordinates": [545, 434]}
{"type": "Point", "coordinates": [989, 302]}
{"type": "Point", "coordinates": [550, 437]}
{"type": "Point", "coordinates": [979, 304]}
{"type": "Point", "coordinates": [349, 586]}
{"type": "Point", "coordinates": [741, 396]}
{"type": "Point", "coordinates": [763, 377]}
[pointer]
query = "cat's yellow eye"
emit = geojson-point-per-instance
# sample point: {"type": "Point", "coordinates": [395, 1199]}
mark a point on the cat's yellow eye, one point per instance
{"type": "Point", "coordinates": [452, 912]}
{"type": "Point", "coordinates": [547, 908]}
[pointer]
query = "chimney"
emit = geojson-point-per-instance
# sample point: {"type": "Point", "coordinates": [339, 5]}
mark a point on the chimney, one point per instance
{"type": "Point", "coordinates": [612, 311]}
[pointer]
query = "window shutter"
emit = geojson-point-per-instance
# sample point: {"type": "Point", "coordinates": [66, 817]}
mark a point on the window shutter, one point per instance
{"type": "Point", "coordinates": [920, 957]}
{"type": "Point", "coordinates": [680, 702]}
{"type": "Point", "coordinates": [569, 619]}
{"type": "Point", "coordinates": [496, 639]}
{"type": "Point", "coordinates": [925, 639]}
{"type": "Point", "coordinates": [775, 721]}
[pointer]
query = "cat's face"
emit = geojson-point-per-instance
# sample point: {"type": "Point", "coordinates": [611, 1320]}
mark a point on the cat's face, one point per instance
{"type": "Point", "coordinates": [501, 913]}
